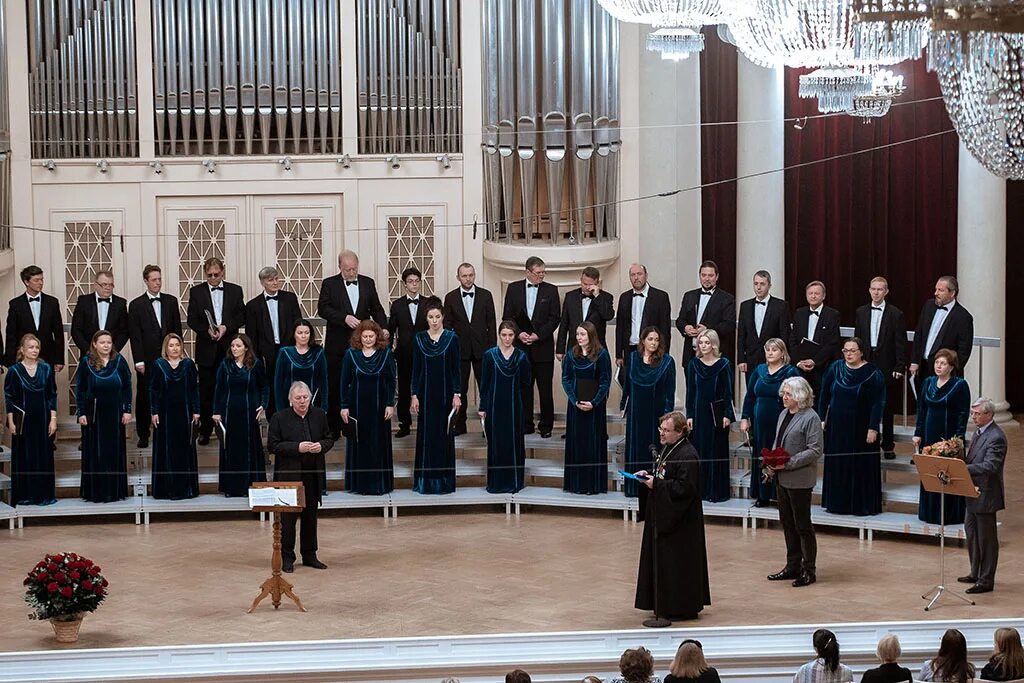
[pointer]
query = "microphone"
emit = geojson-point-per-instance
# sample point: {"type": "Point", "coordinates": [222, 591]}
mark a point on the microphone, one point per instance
{"type": "Point", "coordinates": [654, 449]}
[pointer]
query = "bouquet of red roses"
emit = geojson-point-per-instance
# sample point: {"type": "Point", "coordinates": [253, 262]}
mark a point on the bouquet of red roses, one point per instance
{"type": "Point", "coordinates": [947, 448]}
{"type": "Point", "coordinates": [64, 585]}
{"type": "Point", "coordinates": [775, 458]}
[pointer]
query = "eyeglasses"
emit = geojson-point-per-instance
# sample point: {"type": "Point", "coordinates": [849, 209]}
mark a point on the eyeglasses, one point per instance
{"type": "Point", "coordinates": [666, 431]}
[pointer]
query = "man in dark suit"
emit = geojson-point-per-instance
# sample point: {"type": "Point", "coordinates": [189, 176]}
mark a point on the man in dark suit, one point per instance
{"type": "Point", "coordinates": [270, 319]}
{"type": "Point", "coordinates": [943, 324]}
{"type": "Point", "coordinates": [346, 299]}
{"type": "Point", "coordinates": [35, 313]}
{"type": "Point", "coordinates": [224, 304]}
{"type": "Point", "coordinates": [533, 305]}
{"type": "Point", "coordinates": [883, 330]}
{"type": "Point", "coordinates": [986, 455]}
{"type": "Point", "coordinates": [762, 318]}
{"type": "Point", "coordinates": [586, 304]}
{"type": "Point", "coordinates": [469, 312]}
{"type": "Point", "coordinates": [816, 323]}
{"type": "Point", "coordinates": [407, 317]}
{"type": "Point", "coordinates": [640, 307]}
{"type": "Point", "coordinates": [151, 316]}
{"type": "Point", "coordinates": [100, 310]}
{"type": "Point", "coordinates": [707, 308]}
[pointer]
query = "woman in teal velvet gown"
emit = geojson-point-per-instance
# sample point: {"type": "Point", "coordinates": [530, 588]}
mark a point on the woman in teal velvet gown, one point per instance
{"type": "Point", "coordinates": [304, 362]}
{"type": "Point", "coordinates": [648, 392]}
{"type": "Point", "coordinates": [504, 377]}
{"type": "Point", "coordinates": [174, 404]}
{"type": "Point", "coordinates": [709, 393]}
{"type": "Point", "coordinates": [238, 402]}
{"type": "Point", "coordinates": [586, 428]}
{"type": "Point", "coordinates": [30, 394]}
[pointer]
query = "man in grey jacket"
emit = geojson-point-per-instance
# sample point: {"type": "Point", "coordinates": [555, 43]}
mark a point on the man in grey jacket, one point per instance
{"type": "Point", "coordinates": [985, 457]}
{"type": "Point", "coordinates": [799, 433]}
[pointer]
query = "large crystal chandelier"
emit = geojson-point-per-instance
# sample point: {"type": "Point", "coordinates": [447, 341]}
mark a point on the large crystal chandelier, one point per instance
{"type": "Point", "coordinates": [678, 23]}
{"type": "Point", "coordinates": [885, 88]}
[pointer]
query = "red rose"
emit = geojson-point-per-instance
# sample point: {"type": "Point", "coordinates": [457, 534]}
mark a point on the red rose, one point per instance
{"type": "Point", "coordinates": [52, 587]}
{"type": "Point", "coordinates": [97, 568]}
{"type": "Point", "coordinates": [87, 585]}
{"type": "Point", "coordinates": [27, 581]}
{"type": "Point", "coordinates": [75, 576]}
{"type": "Point", "coordinates": [98, 590]}
{"type": "Point", "coordinates": [42, 576]}
{"type": "Point", "coordinates": [66, 591]}
{"type": "Point", "coordinates": [105, 582]}
{"type": "Point", "coordinates": [94, 570]}
{"type": "Point", "coordinates": [52, 567]}
{"type": "Point", "coordinates": [86, 562]}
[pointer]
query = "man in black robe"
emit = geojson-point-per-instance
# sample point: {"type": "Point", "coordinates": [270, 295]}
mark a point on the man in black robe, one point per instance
{"type": "Point", "coordinates": [298, 440]}
{"type": "Point", "coordinates": [673, 576]}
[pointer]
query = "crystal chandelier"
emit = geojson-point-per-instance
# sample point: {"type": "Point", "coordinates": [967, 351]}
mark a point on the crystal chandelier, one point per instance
{"type": "Point", "coordinates": [675, 43]}
{"type": "Point", "coordinates": [835, 88]}
{"type": "Point", "coordinates": [678, 22]}
{"type": "Point", "coordinates": [885, 89]}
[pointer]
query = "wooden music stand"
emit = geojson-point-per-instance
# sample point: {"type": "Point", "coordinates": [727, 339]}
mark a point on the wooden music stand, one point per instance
{"type": "Point", "coordinates": [276, 585]}
{"type": "Point", "coordinates": [942, 475]}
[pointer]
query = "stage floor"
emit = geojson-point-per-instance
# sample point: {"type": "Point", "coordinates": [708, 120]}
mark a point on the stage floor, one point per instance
{"type": "Point", "coordinates": [185, 580]}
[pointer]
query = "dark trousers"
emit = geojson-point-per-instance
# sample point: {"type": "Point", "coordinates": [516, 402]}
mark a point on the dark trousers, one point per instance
{"type": "Point", "coordinates": [543, 371]}
{"type": "Point", "coordinates": [982, 545]}
{"type": "Point", "coordinates": [269, 363]}
{"type": "Point", "coordinates": [143, 419]}
{"type": "Point", "coordinates": [893, 399]}
{"type": "Point", "coordinates": [466, 365]}
{"type": "Point", "coordinates": [404, 363]}
{"type": "Point", "coordinates": [626, 355]}
{"type": "Point", "coordinates": [333, 396]}
{"type": "Point", "coordinates": [307, 542]}
{"type": "Point", "coordinates": [207, 386]}
{"type": "Point", "coordinates": [795, 515]}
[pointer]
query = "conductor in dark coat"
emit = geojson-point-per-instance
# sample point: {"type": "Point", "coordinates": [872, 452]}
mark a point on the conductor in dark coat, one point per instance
{"type": "Point", "coordinates": [270, 319]}
{"type": "Point", "coordinates": [707, 307]}
{"type": "Point", "coordinates": [407, 317]}
{"type": "Point", "coordinates": [820, 324]}
{"type": "Point", "coordinates": [469, 312]}
{"type": "Point", "coordinates": [298, 439]}
{"type": "Point", "coordinates": [599, 310]}
{"type": "Point", "coordinates": [985, 457]}
{"type": "Point", "coordinates": [100, 310]}
{"type": "Point", "coordinates": [762, 318]}
{"type": "Point", "coordinates": [673, 516]}
{"type": "Point", "coordinates": [883, 328]}
{"type": "Point", "coordinates": [37, 313]}
{"type": "Point", "coordinates": [943, 324]}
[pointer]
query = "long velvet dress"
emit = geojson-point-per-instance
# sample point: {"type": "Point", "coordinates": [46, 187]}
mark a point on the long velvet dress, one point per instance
{"type": "Point", "coordinates": [30, 399]}
{"type": "Point", "coordinates": [942, 413]}
{"type": "Point", "coordinates": [435, 381]}
{"type": "Point", "coordinates": [851, 403]}
{"type": "Point", "coordinates": [239, 392]}
{"type": "Point", "coordinates": [706, 384]}
{"type": "Point", "coordinates": [367, 388]}
{"type": "Point", "coordinates": [311, 368]}
{"type": "Point", "coordinates": [502, 385]}
{"type": "Point", "coordinates": [648, 392]}
{"type": "Point", "coordinates": [104, 395]}
{"type": "Point", "coordinates": [586, 431]}
{"type": "Point", "coordinates": [762, 406]}
{"type": "Point", "coordinates": [174, 398]}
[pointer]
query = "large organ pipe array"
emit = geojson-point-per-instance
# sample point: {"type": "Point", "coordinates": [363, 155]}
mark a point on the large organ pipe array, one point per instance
{"type": "Point", "coordinates": [551, 117]}
{"type": "Point", "coordinates": [247, 76]}
{"type": "Point", "coordinates": [409, 76]}
{"type": "Point", "coordinates": [82, 88]}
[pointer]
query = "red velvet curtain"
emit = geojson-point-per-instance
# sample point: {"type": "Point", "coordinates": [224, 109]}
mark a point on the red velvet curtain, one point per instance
{"type": "Point", "coordinates": [1014, 286]}
{"type": "Point", "coordinates": [890, 212]}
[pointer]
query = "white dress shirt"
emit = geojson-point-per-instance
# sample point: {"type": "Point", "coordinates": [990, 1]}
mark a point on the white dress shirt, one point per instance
{"type": "Point", "coordinates": [702, 304]}
{"type": "Point", "coordinates": [35, 306]}
{"type": "Point", "coordinates": [637, 314]}
{"type": "Point", "coordinates": [414, 307]}
{"type": "Point", "coordinates": [154, 301]}
{"type": "Point", "coordinates": [217, 298]}
{"type": "Point", "coordinates": [467, 301]}
{"type": "Point", "coordinates": [586, 305]}
{"type": "Point", "coordinates": [813, 320]}
{"type": "Point", "coordinates": [274, 322]}
{"type": "Point", "coordinates": [353, 295]}
{"type": "Point", "coordinates": [531, 298]}
{"type": "Point", "coordinates": [102, 311]}
{"type": "Point", "coordinates": [876, 323]}
{"type": "Point", "coordinates": [937, 321]}
{"type": "Point", "coordinates": [759, 312]}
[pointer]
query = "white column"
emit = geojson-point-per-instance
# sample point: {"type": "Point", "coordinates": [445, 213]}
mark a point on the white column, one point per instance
{"type": "Point", "coordinates": [981, 271]}
{"type": "Point", "coordinates": [760, 200]}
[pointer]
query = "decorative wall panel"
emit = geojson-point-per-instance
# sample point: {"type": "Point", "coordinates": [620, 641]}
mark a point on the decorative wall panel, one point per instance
{"type": "Point", "coordinates": [299, 247]}
{"type": "Point", "coordinates": [198, 240]}
{"type": "Point", "coordinates": [410, 243]}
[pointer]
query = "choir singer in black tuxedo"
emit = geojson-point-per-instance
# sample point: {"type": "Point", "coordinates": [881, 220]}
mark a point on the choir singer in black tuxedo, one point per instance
{"type": "Point", "coordinates": [35, 313]}
{"type": "Point", "coordinates": [943, 324]}
{"type": "Point", "coordinates": [407, 317]}
{"type": "Point", "coordinates": [469, 312]}
{"type": "Point", "coordinates": [151, 316]}
{"type": "Point", "coordinates": [818, 324]}
{"type": "Point", "coordinates": [270, 319]}
{"type": "Point", "coordinates": [586, 304]}
{"type": "Point", "coordinates": [100, 310]}
{"type": "Point", "coordinates": [346, 299]}
{"type": "Point", "coordinates": [640, 307]}
{"type": "Point", "coordinates": [762, 318]}
{"type": "Point", "coordinates": [533, 305]}
{"type": "Point", "coordinates": [216, 311]}
{"type": "Point", "coordinates": [707, 308]}
{"type": "Point", "coordinates": [883, 329]}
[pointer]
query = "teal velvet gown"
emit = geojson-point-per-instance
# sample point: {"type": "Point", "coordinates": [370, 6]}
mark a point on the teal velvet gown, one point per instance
{"type": "Point", "coordinates": [435, 381]}
{"type": "Point", "coordinates": [104, 395]}
{"type": "Point", "coordinates": [174, 398]}
{"type": "Point", "coordinates": [239, 392]}
{"type": "Point", "coordinates": [367, 388]}
{"type": "Point", "coordinates": [762, 406]}
{"type": "Point", "coordinates": [503, 381]}
{"type": "Point", "coordinates": [586, 431]}
{"type": "Point", "coordinates": [31, 398]}
{"type": "Point", "coordinates": [942, 413]}
{"type": "Point", "coordinates": [648, 392]}
{"type": "Point", "coordinates": [706, 384]}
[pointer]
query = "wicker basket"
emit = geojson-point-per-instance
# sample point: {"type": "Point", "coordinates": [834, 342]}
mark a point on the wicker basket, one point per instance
{"type": "Point", "coordinates": [67, 631]}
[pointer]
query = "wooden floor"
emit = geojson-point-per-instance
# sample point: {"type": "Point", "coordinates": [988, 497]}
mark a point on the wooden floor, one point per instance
{"type": "Point", "coordinates": [467, 571]}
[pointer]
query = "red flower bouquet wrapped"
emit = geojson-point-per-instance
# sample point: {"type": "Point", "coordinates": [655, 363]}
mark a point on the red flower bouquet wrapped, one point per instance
{"type": "Point", "coordinates": [775, 458]}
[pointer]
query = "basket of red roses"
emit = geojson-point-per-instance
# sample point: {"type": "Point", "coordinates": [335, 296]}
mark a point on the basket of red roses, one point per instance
{"type": "Point", "coordinates": [62, 588]}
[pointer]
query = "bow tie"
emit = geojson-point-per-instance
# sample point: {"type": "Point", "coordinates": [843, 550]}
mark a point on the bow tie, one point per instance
{"type": "Point", "coordinates": [639, 294]}
{"type": "Point", "coordinates": [413, 301]}
{"type": "Point", "coordinates": [33, 298]}
{"type": "Point", "coordinates": [814, 313]}
{"type": "Point", "coordinates": [876, 308]}
{"type": "Point", "coordinates": [942, 308]}
{"type": "Point", "coordinates": [101, 300]}
{"type": "Point", "coordinates": [154, 298]}
{"type": "Point", "coordinates": [588, 296]}
{"type": "Point", "coordinates": [270, 297]}
{"type": "Point", "coordinates": [760, 303]}
{"type": "Point", "coordinates": [530, 285]}
{"type": "Point", "coordinates": [707, 292]}
{"type": "Point", "coordinates": [218, 288]}
{"type": "Point", "coordinates": [469, 294]}
{"type": "Point", "coordinates": [350, 283]}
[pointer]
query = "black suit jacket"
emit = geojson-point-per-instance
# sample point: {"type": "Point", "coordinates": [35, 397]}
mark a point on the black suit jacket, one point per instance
{"type": "Point", "coordinates": [601, 311]}
{"type": "Point", "coordinates": [477, 335]}
{"type": "Point", "coordinates": [210, 353]}
{"type": "Point", "coordinates": [334, 306]}
{"type": "Point", "coordinates": [776, 323]}
{"type": "Point", "coordinates": [657, 313]}
{"type": "Point", "coordinates": [719, 315]}
{"type": "Point", "coordinates": [403, 328]}
{"type": "Point", "coordinates": [956, 333]}
{"type": "Point", "coordinates": [50, 331]}
{"type": "Point", "coordinates": [826, 334]}
{"type": "Point", "coordinates": [546, 315]}
{"type": "Point", "coordinates": [145, 331]}
{"type": "Point", "coordinates": [891, 353]}
{"type": "Point", "coordinates": [260, 329]}
{"type": "Point", "coordinates": [85, 321]}
{"type": "Point", "coordinates": [285, 433]}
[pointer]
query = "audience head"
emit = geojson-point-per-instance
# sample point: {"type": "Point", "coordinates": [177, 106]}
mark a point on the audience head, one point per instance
{"type": "Point", "coordinates": [946, 289]}
{"type": "Point", "coordinates": [945, 362]}
{"type": "Point", "coordinates": [652, 343]}
{"type": "Point", "coordinates": [708, 275]}
{"type": "Point", "coordinates": [28, 348]}
{"type": "Point", "coordinates": [796, 394]}
{"type": "Point", "coordinates": [672, 427]}
{"type": "Point", "coordinates": [103, 283]}
{"type": "Point", "coordinates": [889, 649]}
{"type": "Point", "coordinates": [775, 351]}
{"type": "Point", "coordinates": [590, 280]}
{"type": "Point", "coordinates": [689, 661]}
{"type": "Point", "coordinates": [827, 648]}
{"type": "Point", "coordinates": [173, 347]}
{"type": "Point", "coordinates": [586, 337]}
{"type": "Point", "coordinates": [591, 679]}
{"type": "Point", "coordinates": [434, 314]}
{"type": "Point", "coordinates": [517, 676]}
{"type": "Point", "coordinates": [270, 278]}
{"type": "Point", "coordinates": [878, 289]}
{"type": "Point", "coordinates": [298, 397]}
{"type": "Point", "coordinates": [709, 343]}
{"type": "Point", "coordinates": [636, 665]}
{"type": "Point", "coordinates": [412, 278]}
{"type": "Point", "coordinates": [507, 333]}
{"type": "Point", "coordinates": [100, 348]}
{"type": "Point", "coordinates": [303, 333]}
{"type": "Point", "coordinates": [240, 349]}
{"type": "Point", "coordinates": [951, 663]}
{"type": "Point", "coordinates": [762, 283]}
{"type": "Point", "coordinates": [535, 270]}
{"type": "Point", "coordinates": [213, 270]}
{"type": "Point", "coordinates": [638, 276]}
{"type": "Point", "coordinates": [467, 275]}
{"type": "Point", "coordinates": [982, 411]}
{"type": "Point", "coordinates": [815, 293]}
{"type": "Point", "coordinates": [348, 265]}
{"type": "Point", "coordinates": [153, 277]}
{"type": "Point", "coordinates": [853, 351]}
{"type": "Point", "coordinates": [367, 335]}
{"type": "Point", "coordinates": [1008, 657]}
{"type": "Point", "coordinates": [32, 277]}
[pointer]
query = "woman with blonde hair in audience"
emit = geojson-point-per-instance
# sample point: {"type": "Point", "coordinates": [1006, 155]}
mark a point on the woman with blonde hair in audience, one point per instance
{"type": "Point", "coordinates": [689, 665]}
{"type": "Point", "coordinates": [888, 652]}
{"type": "Point", "coordinates": [950, 665]}
{"type": "Point", "coordinates": [636, 666]}
{"type": "Point", "coordinates": [1007, 661]}
{"type": "Point", "coordinates": [826, 668]}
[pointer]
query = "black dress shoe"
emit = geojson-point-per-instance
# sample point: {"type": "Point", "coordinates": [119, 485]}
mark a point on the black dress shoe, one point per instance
{"type": "Point", "coordinates": [545, 435]}
{"type": "Point", "coordinates": [459, 431]}
{"type": "Point", "coordinates": [889, 455]}
{"type": "Point", "coordinates": [978, 588]}
{"type": "Point", "coordinates": [805, 579]}
{"type": "Point", "coordinates": [528, 430]}
{"type": "Point", "coordinates": [760, 503]}
{"type": "Point", "coordinates": [143, 442]}
{"type": "Point", "coordinates": [402, 432]}
{"type": "Point", "coordinates": [968, 579]}
{"type": "Point", "coordinates": [784, 575]}
{"type": "Point", "coordinates": [314, 563]}
{"type": "Point", "coordinates": [287, 567]}
{"type": "Point", "coordinates": [203, 440]}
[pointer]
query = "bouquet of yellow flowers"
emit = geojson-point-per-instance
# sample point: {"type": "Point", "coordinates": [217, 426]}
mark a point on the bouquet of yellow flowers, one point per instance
{"type": "Point", "coordinates": [947, 448]}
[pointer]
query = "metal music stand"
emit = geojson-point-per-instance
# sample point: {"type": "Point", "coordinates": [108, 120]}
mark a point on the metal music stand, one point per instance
{"type": "Point", "coordinates": [276, 585]}
{"type": "Point", "coordinates": [942, 475]}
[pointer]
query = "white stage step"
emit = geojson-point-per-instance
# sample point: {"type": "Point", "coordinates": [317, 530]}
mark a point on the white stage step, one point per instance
{"type": "Point", "coordinates": [469, 495]}
{"type": "Point", "coordinates": [76, 507]}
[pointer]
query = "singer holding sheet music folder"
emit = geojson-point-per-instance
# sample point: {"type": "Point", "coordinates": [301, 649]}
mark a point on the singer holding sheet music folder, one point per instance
{"type": "Point", "coordinates": [30, 394]}
{"type": "Point", "coordinates": [586, 377]}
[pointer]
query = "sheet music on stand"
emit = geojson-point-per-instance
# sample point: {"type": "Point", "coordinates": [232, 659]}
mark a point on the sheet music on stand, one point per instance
{"type": "Point", "coordinates": [273, 497]}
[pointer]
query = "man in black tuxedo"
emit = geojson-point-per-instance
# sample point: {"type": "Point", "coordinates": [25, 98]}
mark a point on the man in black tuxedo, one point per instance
{"type": "Point", "coordinates": [346, 299]}
{"type": "Point", "coordinates": [640, 307]}
{"type": "Point", "coordinates": [100, 310]}
{"type": "Point", "coordinates": [533, 305]}
{"type": "Point", "coordinates": [943, 324]}
{"type": "Point", "coordinates": [707, 308]}
{"type": "Point", "coordinates": [817, 323]}
{"type": "Point", "coordinates": [407, 317]}
{"type": "Point", "coordinates": [883, 329]}
{"type": "Point", "coordinates": [469, 312]}
{"type": "Point", "coordinates": [586, 304]}
{"type": "Point", "coordinates": [270, 319]}
{"type": "Point", "coordinates": [35, 313]}
{"type": "Point", "coordinates": [151, 316]}
{"type": "Point", "coordinates": [224, 302]}
{"type": "Point", "coordinates": [762, 318]}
